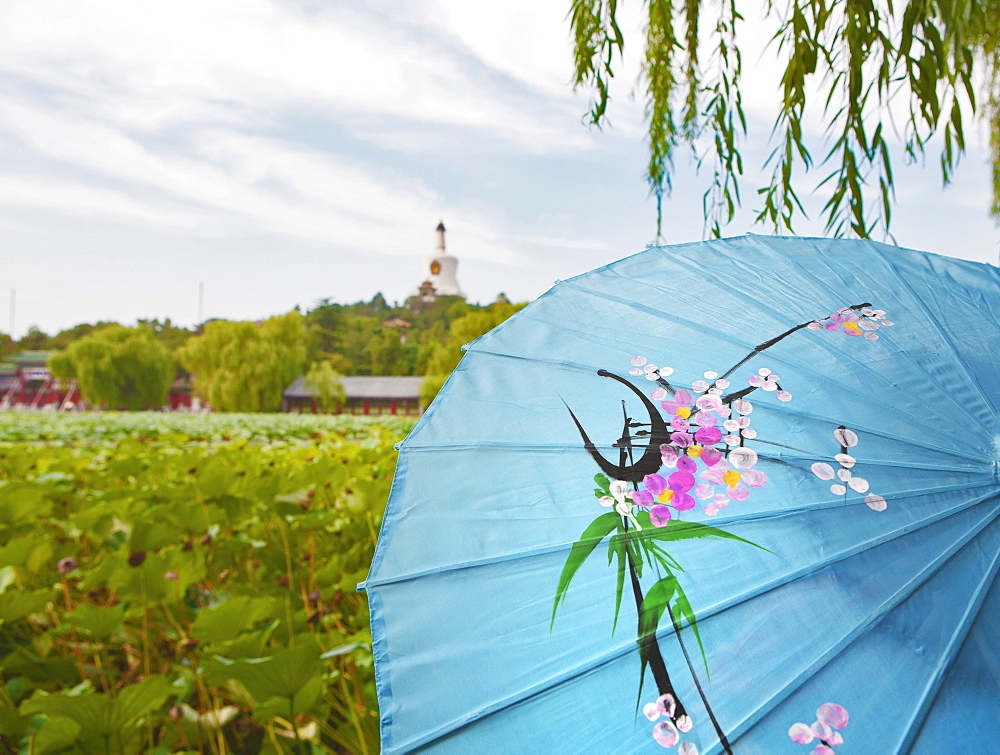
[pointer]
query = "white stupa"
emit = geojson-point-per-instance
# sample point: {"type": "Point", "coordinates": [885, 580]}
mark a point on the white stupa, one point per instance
{"type": "Point", "coordinates": [439, 270]}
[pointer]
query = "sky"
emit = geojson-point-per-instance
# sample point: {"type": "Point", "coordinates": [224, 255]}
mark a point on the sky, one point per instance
{"type": "Point", "coordinates": [280, 152]}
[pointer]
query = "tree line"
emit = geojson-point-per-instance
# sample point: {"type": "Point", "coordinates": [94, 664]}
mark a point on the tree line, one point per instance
{"type": "Point", "coordinates": [246, 366]}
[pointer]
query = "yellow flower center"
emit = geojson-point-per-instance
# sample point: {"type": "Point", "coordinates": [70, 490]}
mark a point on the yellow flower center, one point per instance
{"type": "Point", "coordinates": [666, 496]}
{"type": "Point", "coordinates": [731, 478]}
{"type": "Point", "coordinates": [684, 412]}
{"type": "Point", "coordinates": [694, 451]}
{"type": "Point", "coordinates": [853, 327]}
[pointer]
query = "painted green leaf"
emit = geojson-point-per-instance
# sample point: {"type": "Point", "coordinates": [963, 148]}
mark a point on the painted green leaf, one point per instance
{"type": "Point", "coordinates": [657, 600]}
{"type": "Point", "coordinates": [653, 605]}
{"type": "Point", "coordinates": [616, 549]}
{"type": "Point", "coordinates": [676, 530]}
{"type": "Point", "coordinates": [685, 612]}
{"type": "Point", "coordinates": [596, 531]}
{"type": "Point", "coordinates": [603, 485]}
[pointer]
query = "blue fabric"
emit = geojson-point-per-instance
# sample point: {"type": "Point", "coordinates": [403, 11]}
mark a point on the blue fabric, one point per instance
{"type": "Point", "coordinates": [892, 615]}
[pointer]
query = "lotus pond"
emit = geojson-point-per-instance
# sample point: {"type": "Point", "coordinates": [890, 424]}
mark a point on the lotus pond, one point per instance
{"type": "Point", "coordinates": [186, 583]}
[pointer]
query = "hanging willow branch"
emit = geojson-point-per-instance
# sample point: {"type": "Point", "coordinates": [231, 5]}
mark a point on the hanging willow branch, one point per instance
{"type": "Point", "coordinates": [855, 56]}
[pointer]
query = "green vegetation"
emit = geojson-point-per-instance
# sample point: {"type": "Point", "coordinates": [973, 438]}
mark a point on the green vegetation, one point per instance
{"type": "Point", "coordinates": [325, 381]}
{"type": "Point", "coordinates": [245, 366]}
{"type": "Point", "coordinates": [118, 366]}
{"type": "Point", "coordinates": [868, 69]}
{"type": "Point", "coordinates": [444, 357]}
{"type": "Point", "coordinates": [187, 583]}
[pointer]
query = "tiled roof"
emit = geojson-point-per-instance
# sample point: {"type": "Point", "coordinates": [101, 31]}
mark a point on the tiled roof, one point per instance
{"type": "Point", "coordinates": [365, 387]}
{"type": "Point", "coordinates": [31, 357]}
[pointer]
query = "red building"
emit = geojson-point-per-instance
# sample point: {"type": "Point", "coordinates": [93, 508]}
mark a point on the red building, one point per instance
{"type": "Point", "coordinates": [26, 383]}
{"type": "Point", "coordinates": [181, 394]}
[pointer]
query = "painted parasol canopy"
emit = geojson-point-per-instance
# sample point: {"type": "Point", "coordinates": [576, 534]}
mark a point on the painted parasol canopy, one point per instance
{"type": "Point", "coordinates": [731, 496]}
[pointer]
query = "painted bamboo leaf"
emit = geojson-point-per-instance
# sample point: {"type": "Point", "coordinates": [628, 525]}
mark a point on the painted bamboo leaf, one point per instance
{"type": "Point", "coordinates": [616, 549]}
{"type": "Point", "coordinates": [690, 530]}
{"type": "Point", "coordinates": [596, 531]}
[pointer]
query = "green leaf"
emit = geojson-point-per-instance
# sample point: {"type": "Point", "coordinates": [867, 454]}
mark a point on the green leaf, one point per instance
{"type": "Point", "coordinates": [99, 621]}
{"type": "Point", "coordinates": [653, 605]}
{"type": "Point", "coordinates": [14, 605]}
{"type": "Point", "coordinates": [249, 644]}
{"type": "Point", "coordinates": [676, 530]}
{"type": "Point", "coordinates": [100, 715]}
{"type": "Point", "coordinates": [596, 531]}
{"type": "Point", "coordinates": [603, 485]}
{"type": "Point", "coordinates": [136, 700]}
{"type": "Point", "coordinates": [13, 724]}
{"type": "Point", "coordinates": [291, 705]}
{"type": "Point", "coordinates": [345, 649]}
{"type": "Point", "coordinates": [93, 710]}
{"type": "Point", "coordinates": [56, 735]}
{"type": "Point", "coordinates": [225, 621]}
{"type": "Point", "coordinates": [617, 548]}
{"type": "Point", "coordinates": [687, 613]}
{"type": "Point", "coordinates": [7, 577]}
{"type": "Point", "coordinates": [284, 675]}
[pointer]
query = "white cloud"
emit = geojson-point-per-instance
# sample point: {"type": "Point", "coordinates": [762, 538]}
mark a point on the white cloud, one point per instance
{"type": "Point", "coordinates": [331, 134]}
{"type": "Point", "coordinates": [154, 64]}
{"type": "Point", "coordinates": [254, 184]}
{"type": "Point", "coordinates": [83, 199]}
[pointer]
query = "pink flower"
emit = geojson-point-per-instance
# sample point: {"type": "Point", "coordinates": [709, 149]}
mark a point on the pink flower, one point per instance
{"type": "Point", "coordinates": [681, 440]}
{"type": "Point", "coordinates": [711, 456]}
{"type": "Point", "coordinates": [660, 515]}
{"type": "Point", "coordinates": [654, 483]}
{"type": "Point", "coordinates": [830, 717]}
{"type": "Point", "coordinates": [642, 498]}
{"type": "Point", "coordinates": [681, 400]}
{"type": "Point", "coordinates": [666, 734]}
{"type": "Point", "coordinates": [833, 715]}
{"type": "Point", "coordinates": [668, 454]}
{"type": "Point", "coordinates": [682, 502]}
{"type": "Point", "coordinates": [708, 436]}
{"type": "Point", "coordinates": [680, 481]}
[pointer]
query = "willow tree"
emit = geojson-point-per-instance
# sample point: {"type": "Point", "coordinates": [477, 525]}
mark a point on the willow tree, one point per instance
{"type": "Point", "coordinates": [246, 366]}
{"type": "Point", "coordinates": [934, 63]}
{"type": "Point", "coordinates": [119, 367]}
{"type": "Point", "coordinates": [324, 381]}
{"type": "Point", "coordinates": [444, 357]}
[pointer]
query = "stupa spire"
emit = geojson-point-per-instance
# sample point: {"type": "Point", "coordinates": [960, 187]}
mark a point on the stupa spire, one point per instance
{"type": "Point", "coordinates": [439, 271]}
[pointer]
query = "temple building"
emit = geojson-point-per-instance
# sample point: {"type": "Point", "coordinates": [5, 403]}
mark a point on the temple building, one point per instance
{"type": "Point", "coordinates": [439, 273]}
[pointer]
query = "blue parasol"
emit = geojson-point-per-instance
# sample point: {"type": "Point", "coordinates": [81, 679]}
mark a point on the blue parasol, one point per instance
{"type": "Point", "coordinates": [732, 496]}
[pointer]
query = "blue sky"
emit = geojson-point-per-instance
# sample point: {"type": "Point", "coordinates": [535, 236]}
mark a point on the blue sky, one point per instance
{"type": "Point", "coordinates": [282, 152]}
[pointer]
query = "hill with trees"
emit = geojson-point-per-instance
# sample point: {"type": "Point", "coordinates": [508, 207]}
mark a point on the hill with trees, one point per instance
{"type": "Point", "coordinates": [245, 366]}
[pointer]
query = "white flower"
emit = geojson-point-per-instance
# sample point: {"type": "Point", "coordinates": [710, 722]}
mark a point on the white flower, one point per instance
{"type": "Point", "coordinates": [619, 498]}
